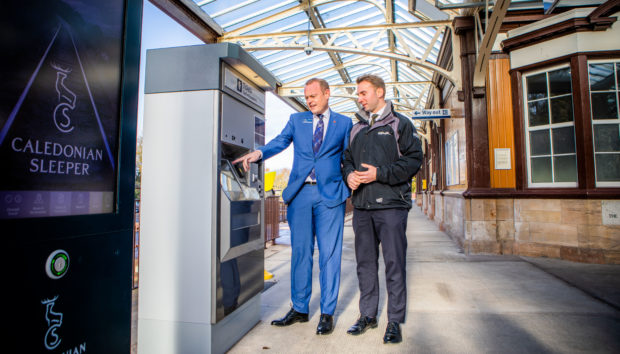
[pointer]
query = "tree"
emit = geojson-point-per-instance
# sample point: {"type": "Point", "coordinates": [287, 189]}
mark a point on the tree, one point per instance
{"type": "Point", "coordinates": [281, 180]}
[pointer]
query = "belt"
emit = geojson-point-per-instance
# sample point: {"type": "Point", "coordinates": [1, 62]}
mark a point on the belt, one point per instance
{"type": "Point", "coordinates": [310, 183]}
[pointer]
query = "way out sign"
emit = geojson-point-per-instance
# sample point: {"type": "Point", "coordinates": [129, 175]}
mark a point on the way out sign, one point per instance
{"type": "Point", "coordinates": [440, 113]}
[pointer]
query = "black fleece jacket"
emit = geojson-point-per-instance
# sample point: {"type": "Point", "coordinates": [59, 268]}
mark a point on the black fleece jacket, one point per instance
{"type": "Point", "coordinates": [393, 146]}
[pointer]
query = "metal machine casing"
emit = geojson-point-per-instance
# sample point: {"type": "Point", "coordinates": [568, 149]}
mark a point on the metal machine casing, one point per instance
{"type": "Point", "coordinates": [201, 259]}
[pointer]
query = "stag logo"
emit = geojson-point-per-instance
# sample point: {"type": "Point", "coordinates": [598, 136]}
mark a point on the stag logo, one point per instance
{"type": "Point", "coordinates": [66, 98]}
{"type": "Point", "coordinates": [54, 321]}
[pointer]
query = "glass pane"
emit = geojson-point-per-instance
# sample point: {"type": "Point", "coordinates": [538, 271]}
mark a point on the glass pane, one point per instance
{"type": "Point", "coordinates": [541, 169]}
{"type": "Point", "coordinates": [618, 74]}
{"type": "Point", "coordinates": [538, 113]}
{"type": "Point", "coordinates": [562, 109]}
{"type": "Point", "coordinates": [607, 167]}
{"type": "Point", "coordinates": [536, 86]}
{"type": "Point", "coordinates": [565, 168]}
{"type": "Point", "coordinates": [604, 105]}
{"type": "Point", "coordinates": [601, 77]}
{"type": "Point", "coordinates": [606, 137]}
{"type": "Point", "coordinates": [563, 140]}
{"type": "Point", "coordinates": [559, 82]}
{"type": "Point", "coordinates": [539, 143]}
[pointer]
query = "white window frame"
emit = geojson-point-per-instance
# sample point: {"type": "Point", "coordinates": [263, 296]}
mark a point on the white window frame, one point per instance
{"type": "Point", "coordinates": [602, 121]}
{"type": "Point", "coordinates": [547, 127]}
{"type": "Point", "coordinates": [452, 160]}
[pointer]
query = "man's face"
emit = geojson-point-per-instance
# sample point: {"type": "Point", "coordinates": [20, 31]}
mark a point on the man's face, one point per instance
{"type": "Point", "coordinates": [369, 96]}
{"type": "Point", "coordinates": [316, 99]}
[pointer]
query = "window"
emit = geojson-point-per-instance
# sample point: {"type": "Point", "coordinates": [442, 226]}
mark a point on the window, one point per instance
{"type": "Point", "coordinates": [452, 160]}
{"type": "Point", "coordinates": [550, 129]}
{"type": "Point", "coordinates": [604, 80]}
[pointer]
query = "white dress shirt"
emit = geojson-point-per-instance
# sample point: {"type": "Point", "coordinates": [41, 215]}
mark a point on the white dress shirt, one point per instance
{"type": "Point", "coordinates": [315, 122]}
{"type": "Point", "coordinates": [379, 112]}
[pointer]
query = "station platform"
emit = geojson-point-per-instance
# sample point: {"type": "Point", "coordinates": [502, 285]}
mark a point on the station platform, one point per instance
{"type": "Point", "coordinates": [456, 303]}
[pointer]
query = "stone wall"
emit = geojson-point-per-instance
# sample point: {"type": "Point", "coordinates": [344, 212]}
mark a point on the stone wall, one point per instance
{"type": "Point", "coordinates": [438, 209]}
{"type": "Point", "coordinates": [453, 224]}
{"type": "Point", "coordinates": [571, 229]}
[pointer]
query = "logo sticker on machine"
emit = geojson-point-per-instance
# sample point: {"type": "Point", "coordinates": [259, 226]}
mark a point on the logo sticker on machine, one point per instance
{"type": "Point", "coordinates": [244, 88]}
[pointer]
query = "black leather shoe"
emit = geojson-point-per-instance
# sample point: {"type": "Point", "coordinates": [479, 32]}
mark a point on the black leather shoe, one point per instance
{"type": "Point", "coordinates": [291, 317]}
{"type": "Point", "coordinates": [362, 324]}
{"type": "Point", "coordinates": [392, 333]}
{"type": "Point", "coordinates": [326, 324]}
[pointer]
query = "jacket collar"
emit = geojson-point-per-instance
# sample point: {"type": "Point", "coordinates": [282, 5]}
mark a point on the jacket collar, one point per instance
{"type": "Point", "coordinates": [386, 117]}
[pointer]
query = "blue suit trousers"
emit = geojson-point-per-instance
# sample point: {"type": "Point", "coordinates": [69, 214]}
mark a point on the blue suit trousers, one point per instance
{"type": "Point", "coordinates": [309, 218]}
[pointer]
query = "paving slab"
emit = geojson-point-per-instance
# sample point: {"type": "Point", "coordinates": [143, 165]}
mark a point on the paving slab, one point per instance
{"type": "Point", "coordinates": [457, 303]}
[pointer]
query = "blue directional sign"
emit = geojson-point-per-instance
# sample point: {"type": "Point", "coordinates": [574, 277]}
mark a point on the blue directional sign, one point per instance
{"type": "Point", "coordinates": [440, 113]}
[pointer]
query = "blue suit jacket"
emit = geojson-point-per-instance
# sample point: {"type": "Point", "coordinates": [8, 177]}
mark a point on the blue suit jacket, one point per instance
{"type": "Point", "coordinates": [327, 163]}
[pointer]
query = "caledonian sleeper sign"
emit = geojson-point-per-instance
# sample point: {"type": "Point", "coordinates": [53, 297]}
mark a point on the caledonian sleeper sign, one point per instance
{"type": "Point", "coordinates": [59, 109]}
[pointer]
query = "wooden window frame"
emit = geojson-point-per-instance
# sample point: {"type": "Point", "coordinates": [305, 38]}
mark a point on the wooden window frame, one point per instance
{"type": "Point", "coordinates": [586, 180]}
{"type": "Point", "coordinates": [604, 184]}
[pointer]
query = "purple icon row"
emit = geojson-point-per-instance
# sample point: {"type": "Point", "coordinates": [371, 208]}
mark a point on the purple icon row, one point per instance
{"type": "Point", "coordinates": [33, 204]}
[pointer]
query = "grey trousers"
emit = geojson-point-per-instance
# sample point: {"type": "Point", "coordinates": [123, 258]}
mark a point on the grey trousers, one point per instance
{"type": "Point", "coordinates": [386, 227]}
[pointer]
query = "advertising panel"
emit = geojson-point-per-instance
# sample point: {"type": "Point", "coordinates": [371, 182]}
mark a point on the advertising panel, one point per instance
{"type": "Point", "coordinates": [60, 107]}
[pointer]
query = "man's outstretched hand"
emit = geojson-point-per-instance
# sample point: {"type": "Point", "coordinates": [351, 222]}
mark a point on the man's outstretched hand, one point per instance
{"type": "Point", "coordinates": [248, 158]}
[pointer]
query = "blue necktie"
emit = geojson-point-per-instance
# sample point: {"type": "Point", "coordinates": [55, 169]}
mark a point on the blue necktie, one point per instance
{"type": "Point", "coordinates": [317, 140]}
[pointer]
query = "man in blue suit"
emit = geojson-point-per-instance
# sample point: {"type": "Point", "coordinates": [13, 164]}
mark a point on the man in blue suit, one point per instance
{"type": "Point", "coordinates": [316, 196]}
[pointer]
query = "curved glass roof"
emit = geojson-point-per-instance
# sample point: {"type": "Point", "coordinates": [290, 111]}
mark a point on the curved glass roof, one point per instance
{"type": "Point", "coordinates": [339, 40]}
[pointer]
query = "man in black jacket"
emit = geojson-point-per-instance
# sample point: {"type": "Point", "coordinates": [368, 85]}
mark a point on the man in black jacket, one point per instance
{"type": "Point", "coordinates": [384, 154]}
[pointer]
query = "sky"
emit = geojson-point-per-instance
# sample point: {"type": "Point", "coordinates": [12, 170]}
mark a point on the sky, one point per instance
{"type": "Point", "coordinates": [160, 31]}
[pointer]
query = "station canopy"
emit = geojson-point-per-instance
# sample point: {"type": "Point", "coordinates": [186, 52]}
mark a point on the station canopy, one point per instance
{"type": "Point", "coordinates": [339, 41]}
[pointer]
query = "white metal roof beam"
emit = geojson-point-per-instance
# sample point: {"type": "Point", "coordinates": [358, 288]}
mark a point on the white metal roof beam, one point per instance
{"type": "Point", "coordinates": [316, 20]}
{"type": "Point", "coordinates": [399, 57]}
{"type": "Point", "coordinates": [389, 10]}
{"type": "Point", "coordinates": [359, 61]}
{"type": "Point", "coordinates": [353, 85]}
{"type": "Point", "coordinates": [230, 36]}
{"type": "Point", "coordinates": [290, 12]}
{"type": "Point", "coordinates": [427, 10]}
{"type": "Point", "coordinates": [275, 41]}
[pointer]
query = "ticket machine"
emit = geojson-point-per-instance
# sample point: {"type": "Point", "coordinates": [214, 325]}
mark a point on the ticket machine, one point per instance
{"type": "Point", "coordinates": [202, 233]}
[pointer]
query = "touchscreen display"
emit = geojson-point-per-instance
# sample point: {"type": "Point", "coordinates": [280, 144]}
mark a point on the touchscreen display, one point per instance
{"type": "Point", "coordinates": [60, 107]}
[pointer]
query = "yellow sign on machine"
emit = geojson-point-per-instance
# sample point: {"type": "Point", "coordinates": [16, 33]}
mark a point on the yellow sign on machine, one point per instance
{"type": "Point", "coordinates": [270, 177]}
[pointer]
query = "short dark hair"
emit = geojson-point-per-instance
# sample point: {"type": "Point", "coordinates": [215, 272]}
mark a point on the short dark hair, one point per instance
{"type": "Point", "coordinates": [374, 80]}
{"type": "Point", "coordinates": [324, 85]}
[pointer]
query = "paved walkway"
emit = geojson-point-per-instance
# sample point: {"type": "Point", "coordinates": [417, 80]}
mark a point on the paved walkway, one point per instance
{"type": "Point", "coordinates": [456, 304]}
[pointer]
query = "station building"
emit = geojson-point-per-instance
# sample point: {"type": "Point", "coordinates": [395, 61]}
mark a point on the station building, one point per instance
{"type": "Point", "coordinates": [529, 164]}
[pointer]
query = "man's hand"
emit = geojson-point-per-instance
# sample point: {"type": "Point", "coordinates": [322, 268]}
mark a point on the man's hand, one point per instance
{"type": "Point", "coordinates": [248, 158]}
{"type": "Point", "coordinates": [368, 176]}
{"type": "Point", "coordinates": [353, 181]}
